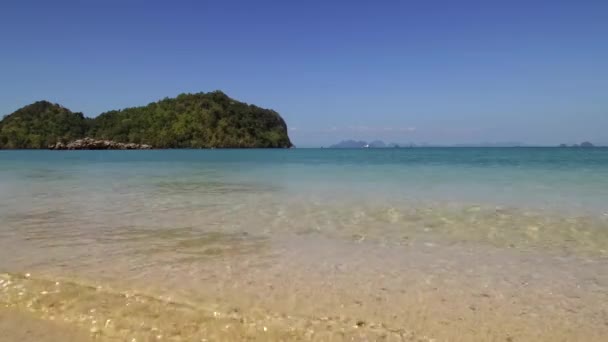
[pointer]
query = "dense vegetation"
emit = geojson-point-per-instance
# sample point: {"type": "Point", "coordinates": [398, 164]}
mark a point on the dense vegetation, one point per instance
{"type": "Point", "coordinates": [202, 120]}
{"type": "Point", "coordinates": [39, 125]}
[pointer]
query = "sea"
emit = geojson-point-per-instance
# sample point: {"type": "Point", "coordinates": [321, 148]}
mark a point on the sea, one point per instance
{"type": "Point", "coordinates": [404, 244]}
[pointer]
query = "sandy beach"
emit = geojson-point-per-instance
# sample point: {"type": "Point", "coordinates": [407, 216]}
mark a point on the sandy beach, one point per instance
{"type": "Point", "coordinates": [22, 327]}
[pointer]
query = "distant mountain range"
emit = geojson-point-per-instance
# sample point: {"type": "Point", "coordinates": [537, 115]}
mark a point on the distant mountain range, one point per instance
{"type": "Point", "coordinates": [381, 144]}
{"type": "Point", "coordinates": [364, 144]}
{"type": "Point", "coordinates": [584, 144]}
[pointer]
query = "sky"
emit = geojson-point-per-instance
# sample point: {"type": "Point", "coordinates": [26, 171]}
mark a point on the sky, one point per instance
{"type": "Point", "coordinates": [428, 71]}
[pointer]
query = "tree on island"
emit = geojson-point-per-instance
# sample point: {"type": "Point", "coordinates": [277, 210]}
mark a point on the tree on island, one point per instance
{"type": "Point", "coordinates": [41, 124]}
{"type": "Point", "coordinates": [202, 120]}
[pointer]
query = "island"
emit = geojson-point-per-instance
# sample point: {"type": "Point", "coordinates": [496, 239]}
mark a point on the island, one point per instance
{"type": "Point", "coordinates": [584, 144]}
{"type": "Point", "coordinates": [201, 120]}
{"type": "Point", "coordinates": [364, 144]}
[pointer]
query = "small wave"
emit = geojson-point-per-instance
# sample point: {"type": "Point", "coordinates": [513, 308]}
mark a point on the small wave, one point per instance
{"type": "Point", "coordinates": [130, 316]}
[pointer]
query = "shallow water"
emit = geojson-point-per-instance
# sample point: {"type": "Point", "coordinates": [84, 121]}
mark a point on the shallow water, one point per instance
{"type": "Point", "coordinates": [408, 244]}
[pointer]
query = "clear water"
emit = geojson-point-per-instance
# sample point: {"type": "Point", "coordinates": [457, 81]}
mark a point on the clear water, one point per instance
{"type": "Point", "coordinates": [309, 243]}
{"type": "Point", "coordinates": [540, 177]}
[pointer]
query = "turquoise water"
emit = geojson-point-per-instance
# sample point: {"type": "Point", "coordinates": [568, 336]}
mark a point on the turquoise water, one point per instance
{"type": "Point", "coordinates": [563, 179]}
{"type": "Point", "coordinates": [305, 244]}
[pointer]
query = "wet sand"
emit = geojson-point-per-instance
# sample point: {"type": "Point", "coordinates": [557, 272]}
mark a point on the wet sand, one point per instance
{"type": "Point", "coordinates": [17, 326]}
{"type": "Point", "coordinates": [312, 288]}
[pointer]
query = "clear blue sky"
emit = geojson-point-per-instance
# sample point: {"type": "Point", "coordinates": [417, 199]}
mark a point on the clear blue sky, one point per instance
{"type": "Point", "coordinates": [422, 71]}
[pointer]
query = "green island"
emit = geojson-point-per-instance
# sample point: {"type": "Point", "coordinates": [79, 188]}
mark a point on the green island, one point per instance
{"type": "Point", "coordinates": [201, 120]}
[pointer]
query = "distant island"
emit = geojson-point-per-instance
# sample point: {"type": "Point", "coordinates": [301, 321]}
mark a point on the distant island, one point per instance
{"type": "Point", "coordinates": [363, 144]}
{"type": "Point", "coordinates": [202, 120]}
{"type": "Point", "coordinates": [381, 144]}
{"type": "Point", "coordinates": [584, 144]}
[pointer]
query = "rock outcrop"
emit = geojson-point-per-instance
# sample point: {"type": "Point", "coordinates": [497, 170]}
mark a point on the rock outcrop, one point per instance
{"type": "Point", "coordinates": [93, 144]}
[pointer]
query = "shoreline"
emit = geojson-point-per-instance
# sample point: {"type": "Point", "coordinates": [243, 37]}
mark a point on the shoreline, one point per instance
{"type": "Point", "coordinates": [323, 288]}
